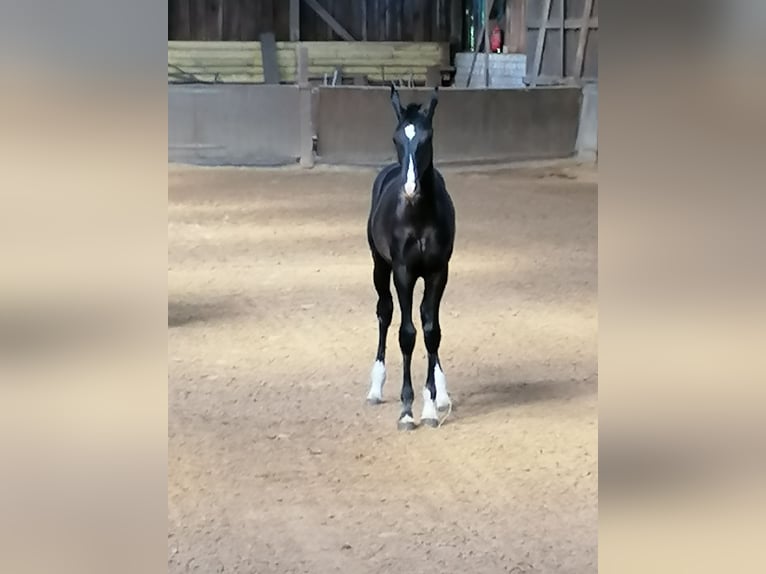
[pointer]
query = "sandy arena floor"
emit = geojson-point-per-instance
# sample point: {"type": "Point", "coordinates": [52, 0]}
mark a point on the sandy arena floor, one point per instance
{"type": "Point", "coordinates": [276, 464]}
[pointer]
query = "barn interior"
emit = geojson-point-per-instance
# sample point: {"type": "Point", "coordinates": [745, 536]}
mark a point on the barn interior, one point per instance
{"type": "Point", "coordinates": [278, 120]}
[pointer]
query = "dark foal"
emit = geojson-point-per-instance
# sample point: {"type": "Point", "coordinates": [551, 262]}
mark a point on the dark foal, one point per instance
{"type": "Point", "coordinates": [411, 232]}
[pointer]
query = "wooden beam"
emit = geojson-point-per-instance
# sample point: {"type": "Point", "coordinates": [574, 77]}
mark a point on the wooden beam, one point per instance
{"type": "Point", "coordinates": [569, 23]}
{"type": "Point", "coordinates": [331, 22]}
{"type": "Point", "coordinates": [516, 26]}
{"type": "Point", "coordinates": [541, 41]}
{"type": "Point", "coordinates": [582, 41]}
{"type": "Point", "coordinates": [295, 20]}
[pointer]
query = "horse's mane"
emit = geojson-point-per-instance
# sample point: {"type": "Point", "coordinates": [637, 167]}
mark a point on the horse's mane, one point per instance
{"type": "Point", "coordinates": [411, 111]}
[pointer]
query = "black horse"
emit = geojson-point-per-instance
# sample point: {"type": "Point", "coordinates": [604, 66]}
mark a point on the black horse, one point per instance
{"type": "Point", "coordinates": [411, 232]}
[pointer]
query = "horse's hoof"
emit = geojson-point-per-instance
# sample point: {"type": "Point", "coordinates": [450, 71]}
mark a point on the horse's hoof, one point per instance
{"type": "Point", "coordinates": [406, 423]}
{"type": "Point", "coordinates": [374, 401]}
{"type": "Point", "coordinates": [433, 423]}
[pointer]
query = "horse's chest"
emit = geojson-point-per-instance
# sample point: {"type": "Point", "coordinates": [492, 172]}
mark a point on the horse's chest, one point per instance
{"type": "Point", "coordinates": [421, 247]}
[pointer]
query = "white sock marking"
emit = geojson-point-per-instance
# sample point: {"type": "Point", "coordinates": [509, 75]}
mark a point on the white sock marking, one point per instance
{"type": "Point", "coordinates": [377, 379]}
{"type": "Point", "coordinates": [442, 398]}
{"type": "Point", "coordinates": [406, 419]}
{"type": "Point", "coordinates": [429, 406]}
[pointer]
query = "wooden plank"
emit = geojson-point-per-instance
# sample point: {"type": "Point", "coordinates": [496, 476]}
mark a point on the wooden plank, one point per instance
{"type": "Point", "coordinates": [393, 59]}
{"type": "Point", "coordinates": [331, 22]}
{"type": "Point", "coordinates": [540, 42]}
{"type": "Point", "coordinates": [364, 20]}
{"type": "Point", "coordinates": [370, 68]}
{"type": "Point", "coordinates": [295, 20]}
{"type": "Point", "coordinates": [332, 45]}
{"type": "Point", "coordinates": [212, 45]}
{"type": "Point", "coordinates": [582, 40]}
{"type": "Point", "coordinates": [225, 78]}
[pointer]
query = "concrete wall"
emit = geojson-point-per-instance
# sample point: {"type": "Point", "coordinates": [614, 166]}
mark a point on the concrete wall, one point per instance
{"type": "Point", "coordinates": [587, 137]}
{"type": "Point", "coordinates": [233, 124]}
{"type": "Point", "coordinates": [355, 125]}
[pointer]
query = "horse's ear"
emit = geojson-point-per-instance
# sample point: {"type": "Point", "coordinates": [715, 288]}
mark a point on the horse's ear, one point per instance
{"type": "Point", "coordinates": [396, 103]}
{"type": "Point", "coordinates": [432, 104]}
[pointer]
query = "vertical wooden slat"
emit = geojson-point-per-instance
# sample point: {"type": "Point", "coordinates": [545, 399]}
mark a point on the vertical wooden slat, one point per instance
{"type": "Point", "coordinates": [295, 20]}
{"type": "Point", "coordinates": [219, 32]}
{"type": "Point", "coordinates": [516, 26]}
{"type": "Point", "coordinates": [267, 25]}
{"type": "Point", "coordinates": [487, 7]}
{"type": "Point", "coordinates": [582, 40]}
{"type": "Point", "coordinates": [248, 19]}
{"type": "Point", "coordinates": [364, 19]}
{"type": "Point", "coordinates": [432, 29]}
{"type": "Point", "coordinates": [456, 24]}
{"type": "Point", "coordinates": [383, 21]}
{"type": "Point", "coordinates": [231, 20]}
{"type": "Point", "coordinates": [441, 31]}
{"type": "Point", "coordinates": [180, 20]}
{"type": "Point", "coordinates": [414, 14]}
{"type": "Point", "coordinates": [562, 39]}
{"type": "Point", "coordinates": [540, 41]}
{"type": "Point", "coordinates": [355, 18]}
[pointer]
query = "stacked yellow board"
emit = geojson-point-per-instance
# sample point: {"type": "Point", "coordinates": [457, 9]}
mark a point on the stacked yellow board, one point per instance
{"type": "Point", "coordinates": [241, 61]}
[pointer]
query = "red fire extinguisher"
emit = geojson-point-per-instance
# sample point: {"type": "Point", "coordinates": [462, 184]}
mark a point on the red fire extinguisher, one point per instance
{"type": "Point", "coordinates": [496, 39]}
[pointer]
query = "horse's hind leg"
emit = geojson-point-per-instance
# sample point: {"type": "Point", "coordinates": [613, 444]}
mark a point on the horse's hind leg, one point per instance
{"type": "Point", "coordinates": [385, 310]}
{"type": "Point", "coordinates": [435, 395]}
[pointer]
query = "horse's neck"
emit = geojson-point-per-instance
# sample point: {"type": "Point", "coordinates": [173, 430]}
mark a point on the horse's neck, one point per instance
{"type": "Point", "coordinates": [428, 180]}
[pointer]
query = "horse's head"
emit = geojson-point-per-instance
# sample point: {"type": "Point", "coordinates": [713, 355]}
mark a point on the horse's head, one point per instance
{"type": "Point", "coordinates": [413, 140]}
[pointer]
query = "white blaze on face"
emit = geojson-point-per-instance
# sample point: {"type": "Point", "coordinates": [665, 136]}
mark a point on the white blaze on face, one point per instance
{"type": "Point", "coordinates": [409, 185]}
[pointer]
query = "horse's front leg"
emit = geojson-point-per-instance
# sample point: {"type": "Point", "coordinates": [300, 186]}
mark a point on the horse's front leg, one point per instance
{"type": "Point", "coordinates": [404, 282]}
{"type": "Point", "coordinates": [385, 310]}
{"type": "Point", "coordinates": [435, 395]}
